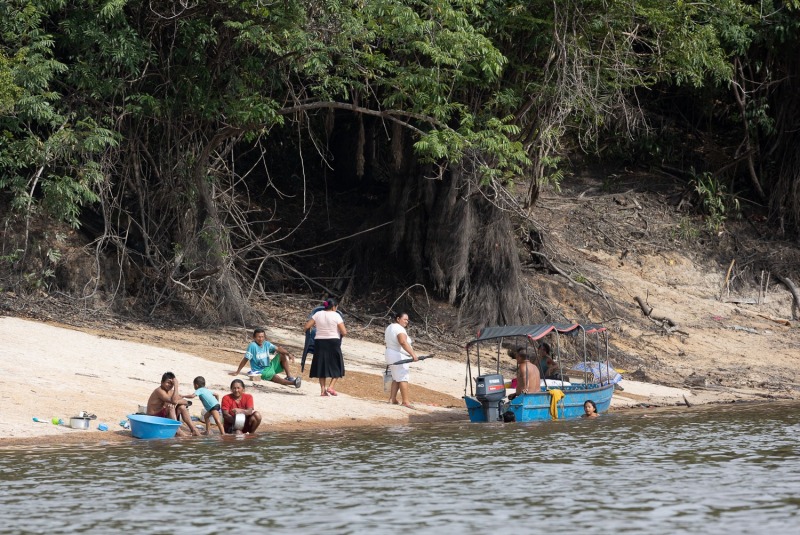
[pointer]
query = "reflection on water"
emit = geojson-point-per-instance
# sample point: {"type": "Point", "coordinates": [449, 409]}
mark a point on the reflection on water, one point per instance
{"type": "Point", "coordinates": [730, 469]}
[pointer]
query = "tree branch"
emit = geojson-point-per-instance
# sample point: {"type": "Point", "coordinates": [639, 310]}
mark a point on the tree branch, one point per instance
{"type": "Point", "coordinates": [391, 115]}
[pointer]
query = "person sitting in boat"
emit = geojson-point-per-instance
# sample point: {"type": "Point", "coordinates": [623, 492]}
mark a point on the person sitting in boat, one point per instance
{"type": "Point", "coordinates": [528, 378]}
{"type": "Point", "coordinates": [548, 368]}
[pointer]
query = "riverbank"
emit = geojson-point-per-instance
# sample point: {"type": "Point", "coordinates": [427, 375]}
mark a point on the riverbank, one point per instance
{"type": "Point", "coordinates": [49, 371]}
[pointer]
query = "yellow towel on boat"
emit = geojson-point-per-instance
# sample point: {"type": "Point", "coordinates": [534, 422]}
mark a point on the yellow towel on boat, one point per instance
{"type": "Point", "coordinates": [555, 397]}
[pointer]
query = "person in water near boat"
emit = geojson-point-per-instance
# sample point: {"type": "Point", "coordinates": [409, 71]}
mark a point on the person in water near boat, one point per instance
{"type": "Point", "coordinates": [590, 409]}
{"type": "Point", "coordinates": [398, 347]}
{"type": "Point", "coordinates": [210, 402]}
{"type": "Point", "coordinates": [258, 355]}
{"type": "Point", "coordinates": [166, 401]}
{"type": "Point", "coordinates": [240, 404]}
{"type": "Point", "coordinates": [328, 360]}
{"type": "Point", "coordinates": [528, 378]}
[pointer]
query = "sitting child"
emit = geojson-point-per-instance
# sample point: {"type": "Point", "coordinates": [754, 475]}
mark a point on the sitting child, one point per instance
{"type": "Point", "coordinates": [210, 402]}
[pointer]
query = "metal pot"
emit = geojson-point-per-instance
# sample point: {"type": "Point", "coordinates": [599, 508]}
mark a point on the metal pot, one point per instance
{"type": "Point", "coordinates": [79, 422]}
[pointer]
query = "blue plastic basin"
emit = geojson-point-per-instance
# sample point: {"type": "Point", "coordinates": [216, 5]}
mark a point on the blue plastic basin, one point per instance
{"type": "Point", "coordinates": [147, 427]}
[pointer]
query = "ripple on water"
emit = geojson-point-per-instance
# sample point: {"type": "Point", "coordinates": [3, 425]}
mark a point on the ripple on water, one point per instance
{"type": "Point", "coordinates": [707, 470]}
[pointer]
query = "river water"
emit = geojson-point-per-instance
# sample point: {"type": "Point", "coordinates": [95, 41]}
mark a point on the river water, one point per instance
{"type": "Point", "coordinates": [723, 469]}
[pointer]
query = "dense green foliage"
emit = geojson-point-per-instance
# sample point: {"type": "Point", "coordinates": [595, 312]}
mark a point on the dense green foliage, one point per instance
{"type": "Point", "coordinates": [138, 114]}
{"type": "Point", "coordinates": [47, 147]}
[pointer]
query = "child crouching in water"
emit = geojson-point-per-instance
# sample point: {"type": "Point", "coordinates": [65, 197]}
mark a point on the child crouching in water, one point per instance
{"type": "Point", "coordinates": [210, 402]}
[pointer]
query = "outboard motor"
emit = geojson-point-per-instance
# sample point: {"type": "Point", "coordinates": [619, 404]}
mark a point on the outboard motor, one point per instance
{"type": "Point", "coordinates": [490, 390]}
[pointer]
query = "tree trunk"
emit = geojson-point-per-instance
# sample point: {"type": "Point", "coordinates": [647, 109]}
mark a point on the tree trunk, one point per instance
{"type": "Point", "coordinates": [214, 246]}
{"type": "Point", "coordinates": [454, 237]}
{"type": "Point", "coordinates": [784, 195]}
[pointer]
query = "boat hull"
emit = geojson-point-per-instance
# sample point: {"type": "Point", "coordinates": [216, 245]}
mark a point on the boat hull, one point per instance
{"type": "Point", "coordinates": [536, 407]}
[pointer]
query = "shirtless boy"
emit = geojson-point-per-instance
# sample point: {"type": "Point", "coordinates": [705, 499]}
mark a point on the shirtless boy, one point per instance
{"type": "Point", "coordinates": [528, 378]}
{"type": "Point", "coordinates": [166, 401]}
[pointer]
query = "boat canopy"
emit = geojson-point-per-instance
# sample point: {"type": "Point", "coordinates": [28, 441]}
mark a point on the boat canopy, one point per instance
{"type": "Point", "coordinates": [534, 332]}
{"type": "Point", "coordinates": [592, 328]}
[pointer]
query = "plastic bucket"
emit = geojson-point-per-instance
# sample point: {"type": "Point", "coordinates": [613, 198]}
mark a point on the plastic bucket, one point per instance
{"type": "Point", "coordinates": [149, 427]}
{"type": "Point", "coordinates": [238, 424]}
{"type": "Point", "coordinates": [387, 380]}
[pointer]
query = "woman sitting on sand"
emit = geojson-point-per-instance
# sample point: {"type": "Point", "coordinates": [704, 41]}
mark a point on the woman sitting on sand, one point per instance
{"type": "Point", "coordinates": [237, 403]}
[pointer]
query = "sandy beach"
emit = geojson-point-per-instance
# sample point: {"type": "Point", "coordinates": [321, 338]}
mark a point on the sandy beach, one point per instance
{"type": "Point", "coordinates": [49, 371]}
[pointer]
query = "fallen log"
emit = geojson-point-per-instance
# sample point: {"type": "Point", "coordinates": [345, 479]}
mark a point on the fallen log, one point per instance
{"type": "Point", "coordinates": [781, 321]}
{"type": "Point", "coordinates": [776, 320]}
{"type": "Point", "coordinates": [669, 325]}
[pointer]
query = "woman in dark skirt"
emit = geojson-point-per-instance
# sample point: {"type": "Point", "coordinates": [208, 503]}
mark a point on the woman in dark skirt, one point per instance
{"type": "Point", "coordinates": [328, 361]}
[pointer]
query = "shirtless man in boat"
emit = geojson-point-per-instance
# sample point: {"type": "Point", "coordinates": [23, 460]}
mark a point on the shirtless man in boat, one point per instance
{"type": "Point", "coordinates": [167, 402]}
{"type": "Point", "coordinates": [528, 378]}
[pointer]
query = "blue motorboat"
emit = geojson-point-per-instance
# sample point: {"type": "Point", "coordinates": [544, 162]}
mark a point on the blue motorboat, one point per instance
{"type": "Point", "coordinates": [558, 398]}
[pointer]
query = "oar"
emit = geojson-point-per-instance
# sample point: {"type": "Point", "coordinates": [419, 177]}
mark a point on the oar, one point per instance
{"type": "Point", "coordinates": [406, 361]}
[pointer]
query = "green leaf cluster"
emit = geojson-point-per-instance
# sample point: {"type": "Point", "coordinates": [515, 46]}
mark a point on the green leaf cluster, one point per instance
{"type": "Point", "coordinates": [715, 200]}
{"type": "Point", "coordinates": [100, 96]}
{"type": "Point", "coordinates": [80, 76]}
{"type": "Point", "coordinates": [47, 151]}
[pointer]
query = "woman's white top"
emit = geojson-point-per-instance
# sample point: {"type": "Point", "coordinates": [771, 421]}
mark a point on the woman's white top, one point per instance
{"type": "Point", "coordinates": [326, 322]}
{"type": "Point", "coordinates": [390, 338]}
